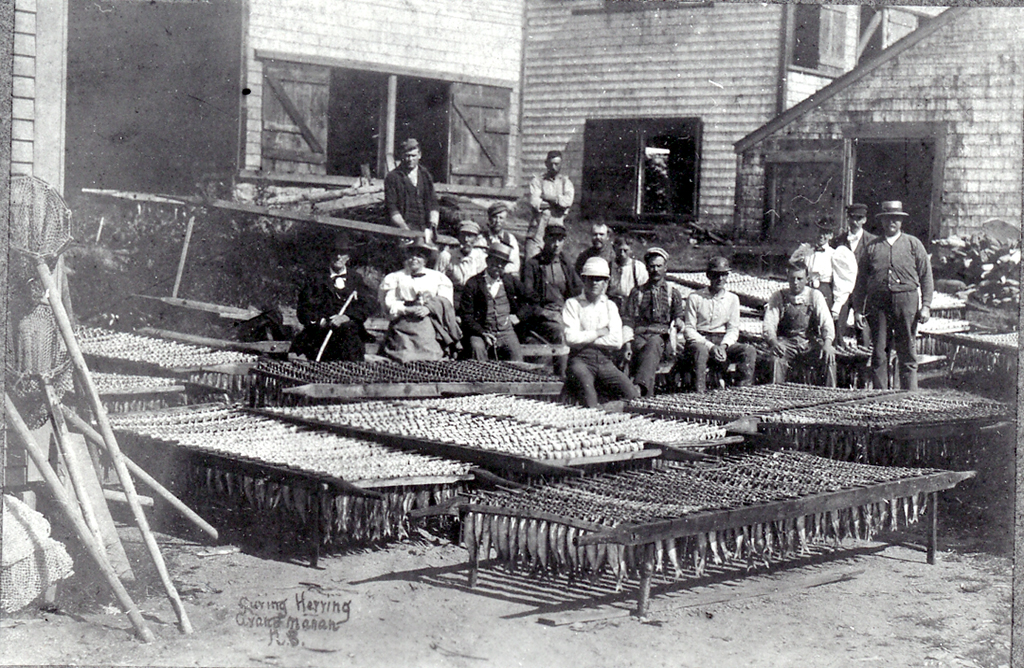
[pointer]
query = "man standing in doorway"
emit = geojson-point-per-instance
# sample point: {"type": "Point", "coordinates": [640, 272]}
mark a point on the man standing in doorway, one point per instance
{"type": "Point", "coordinates": [551, 195]}
{"type": "Point", "coordinates": [895, 283]}
{"type": "Point", "coordinates": [409, 193]}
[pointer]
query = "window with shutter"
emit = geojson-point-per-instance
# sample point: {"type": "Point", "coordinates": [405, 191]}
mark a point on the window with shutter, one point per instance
{"type": "Point", "coordinates": [819, 38]}
{"type": "Point", "coordinates": [479, 134]}
{"type": "Point", "coordinates": [832, 37]}
{"type": "Point", "coordinates": [295, 102]}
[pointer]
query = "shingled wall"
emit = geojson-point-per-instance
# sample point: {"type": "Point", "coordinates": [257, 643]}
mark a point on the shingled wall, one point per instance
{"type": "Point", "coordinates": [969, 76]}
{"type": "Point", "coordinates": [717, 62]}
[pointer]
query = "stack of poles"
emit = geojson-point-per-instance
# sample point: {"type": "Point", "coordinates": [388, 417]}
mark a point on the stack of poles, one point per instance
{"type": "Point", "coordinates": [82, 527]}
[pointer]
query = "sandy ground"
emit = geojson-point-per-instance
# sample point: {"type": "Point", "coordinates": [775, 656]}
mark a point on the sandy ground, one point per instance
{"type": "Point", "coordinates": [880, 604]}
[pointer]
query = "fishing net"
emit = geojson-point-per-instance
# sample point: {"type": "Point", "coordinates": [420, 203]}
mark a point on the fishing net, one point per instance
{"type": "Point", "coordinates": [40, 228]}
{"type": "Point", "coordinates": [30, 561]}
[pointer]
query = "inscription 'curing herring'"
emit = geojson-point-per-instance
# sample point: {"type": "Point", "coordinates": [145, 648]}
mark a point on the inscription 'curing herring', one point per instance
{"type": "Point", "coordinates": [302, 614]}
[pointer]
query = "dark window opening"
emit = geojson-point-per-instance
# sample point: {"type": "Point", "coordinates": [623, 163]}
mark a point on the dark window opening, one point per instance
{"type": "Point", "coordinates": [354, 120]}
{"type": "Point", "coordinates": [896, 169]}
{"type": "Point", "coordinates": [641, 169]}
{"type": "Point", "coordinates": [422, 112]}
{"type": "Point", "coordinates": [807, 20]}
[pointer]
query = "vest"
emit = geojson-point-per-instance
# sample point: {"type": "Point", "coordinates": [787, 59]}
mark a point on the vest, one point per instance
{"type": "Point", "coordinates": [498, 310]}
{"type": "Point", "coordinates": [795, 320]}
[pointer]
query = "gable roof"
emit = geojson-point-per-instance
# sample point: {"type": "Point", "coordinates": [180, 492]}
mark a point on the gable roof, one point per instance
{"type": "Point", "coordinates": [850, 78]}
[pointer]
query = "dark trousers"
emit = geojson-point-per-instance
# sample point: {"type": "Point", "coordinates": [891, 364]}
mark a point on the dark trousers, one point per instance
{"type": "Point", "coordinates": [800, 350]}
{"type": "Point", "coordinates": [648, 350]}
{"type": "Point", "coordinates": [592, 368]}
{"type": "Point", "coordinates": [506, 346]}
{"type": "Point", "coordinates": [546, 327]}
{"type": "Point", "coordinates": [893, 314]}
{"type": "Point", "coordinates": [698, 357]}
{"type": "Point", "coordinates": [863, 334]}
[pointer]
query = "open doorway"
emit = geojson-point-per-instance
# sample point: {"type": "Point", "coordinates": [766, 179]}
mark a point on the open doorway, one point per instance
{"type": "Point", "coordinates": [897, 169]}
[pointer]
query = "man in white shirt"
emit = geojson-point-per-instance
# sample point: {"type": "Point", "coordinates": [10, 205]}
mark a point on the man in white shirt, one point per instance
{"type": "Point", "coordinates": [798, 327]}
{"type": "Point", "coordinates": [593, 332]}
{"type": "Point", "coordinates": [857, 239]}
{"type": "Point", "coordinates": [419, 304]}
{"type": "Point", "coordinates": [466, 260]}
{"type": "Point", "coordinates": [627, 271]}
{"type": "Point", "coordinates": [551, 195]}
{"type": "Point", "coordinates": [711, 327]}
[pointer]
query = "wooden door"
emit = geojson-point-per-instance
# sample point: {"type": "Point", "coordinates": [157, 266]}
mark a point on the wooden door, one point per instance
{"type": "Point", "coordinates": [295, 102]}
{"type": "Point", "coordinates": [478, 135]}
{"type": "Point", "coordinates": [807, 186]}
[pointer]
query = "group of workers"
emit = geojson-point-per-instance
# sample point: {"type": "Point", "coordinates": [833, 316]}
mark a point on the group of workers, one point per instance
{"type": "Point", "coordinates": [620, 317]}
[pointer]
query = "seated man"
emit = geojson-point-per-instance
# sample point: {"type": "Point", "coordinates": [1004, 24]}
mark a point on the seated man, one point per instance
{"type": "Point", "coordinates": [419, 303]}
{"type": "Point", "coordinates": [466, 260]}
{"type": "Point", "coordinates": [649, 313]}
{"type": "Point", "coordinates": [627, 271]}
{"type": "Point", "coordinates": [333, 305]}
{"type": "Point", "coordinates": [549, 279]}
{"type": "Point", "coordinates": [489, 307]}
{"type": "Point", "coordinates": [593, 332]}
{"type": "Point", "coordinates": [798, 326]}
{"type": "Point", "coordinates": [497, 214]}
{"type": "Point", "coordinates": [712, 327]}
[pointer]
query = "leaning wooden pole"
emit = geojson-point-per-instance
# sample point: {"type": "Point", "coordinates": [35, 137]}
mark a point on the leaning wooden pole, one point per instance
{"type": "Point", "coordinates": [81, 530]}
{"type": "Point", "coordinates": [86, 430]}
{"type": "Point", "coordinates": [68, 334]}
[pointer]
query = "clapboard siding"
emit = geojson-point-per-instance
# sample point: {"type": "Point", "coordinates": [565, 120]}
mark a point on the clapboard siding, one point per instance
{"type": "Point", "coordinates": [445, 39]}
{"type": "Point", "coordinates": [967, 76]}
{"type": "Point", "coordinates": [718, 63]}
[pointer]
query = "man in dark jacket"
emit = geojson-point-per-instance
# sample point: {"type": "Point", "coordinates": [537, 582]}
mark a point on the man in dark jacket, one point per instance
{"type": "Point", "coordinates": [857, 239]}
{"type": "Point", "coordinates": [409, 193]}
{"type": "Point", "coordinates": [489, 308]}
{"type": "Point", "coordinates": [549, 279]}
{"type": "Point", "coordinates": [320, 312]}
{"type": "Point", "coordinates": [895, 283]}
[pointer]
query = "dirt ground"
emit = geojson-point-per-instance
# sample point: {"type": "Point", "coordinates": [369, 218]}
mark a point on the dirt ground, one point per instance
{"type": "Point", "coordinates": [874, 603]}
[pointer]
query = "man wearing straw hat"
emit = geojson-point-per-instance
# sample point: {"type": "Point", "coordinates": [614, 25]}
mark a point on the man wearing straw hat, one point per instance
{"type": "Point", "coordinates": [332, 307]}
{"type": "Point", "coordinates": [418, 302]}
{"type": "Point", "coordinates": [593, 331]}
{"type": "Point", "coordinates": [895, 283]}
{"type": "Point", "coordinates": [489, 309]}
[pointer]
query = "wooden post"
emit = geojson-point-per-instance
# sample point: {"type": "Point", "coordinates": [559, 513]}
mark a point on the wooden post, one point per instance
{"type": "Point", "coordinates": [314, 500]}
{"type": "Point", "coordinates": [389, 123]}
{"type": "Point", "coordinates": [933, 528]}
{"type": "Point", "coordinates": [184, 254]}
{"type": "Point", "coordinates": [91, 434]}
{"type": "Point", "coordinates": [15, 421]}
{"type": "Point", "coordinates": [646, 571]}
{"type": "Point", "coordinates": [75, 352]}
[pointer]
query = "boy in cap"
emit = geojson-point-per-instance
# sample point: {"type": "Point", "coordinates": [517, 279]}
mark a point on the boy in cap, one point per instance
{"type": "Point", "coordinates": [711, 328]}
{"type": "Point", "coordinates": [466, 260]}
{"type": "Point", "coordinates": [418, 302]}
{"type": "Point", "coordinates": [857, 239]}
{"type": "Point", "coordinates": [896, 286]}
{"type": "Point", "coordinates": [549, 279]}
{"type": "Point", "coordinates": [593, 331]}
{"type": "Point", "coordinates": [409, 196]}
{"type": "Point", "coordinates": [489, 306]}
{"type": "Point", "coordinates": [320, 306]}
{"type": "Point", "coordinates": [497, 213]}
{"type": "Point", "coordinates": [551, 195]}
{"type": "Point", "coordinates": [798, 326]}
{"type": "Point", "coordinates": [647, 317]}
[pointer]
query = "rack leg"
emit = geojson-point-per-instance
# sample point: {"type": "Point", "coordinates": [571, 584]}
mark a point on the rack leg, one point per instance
{"type": "Point", "coordinates": [314, 555]}
{"type": "Point", "coordinates": [933, 528]}
{"type": "Point", "coordinates": [646, 570]}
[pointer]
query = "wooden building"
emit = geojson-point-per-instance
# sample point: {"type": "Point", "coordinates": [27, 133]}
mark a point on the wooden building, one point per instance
{"type": "Point", "coordinates": [646, 99]}
{"type": "Point", "coordinates": [934, 121]}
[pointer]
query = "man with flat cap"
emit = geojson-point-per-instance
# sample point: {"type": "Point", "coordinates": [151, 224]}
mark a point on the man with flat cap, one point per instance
{"type": "Point", "coordinates": [647, 317]}
{"type": "Point", "coordinates": [497, 214]}
{"type": "Point", "coordinates": [489, 309]}
{"type": "Point", "coordinates": [409, 196]}
{"type": "Point", "coordinates": [895, 283]}
{"type": "Point", "coordinates": [857, 239]}
{"type": "Point", "coordinates": [551, 195]}
{"type": "Point", "coordinates": [711, 329]}
{"type": "Point", "coordinates": [593, 332]}
{"type": "Point", "coordinates": [418, 302]}
{"type": "Point", "coordinates": [549, 279]}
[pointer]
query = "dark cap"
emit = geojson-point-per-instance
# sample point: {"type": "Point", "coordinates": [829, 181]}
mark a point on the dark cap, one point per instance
{"type": "Point", "coordinates": [553, 154]}
{"type": "Point", "coordinates": [553, 230]}
{"type": "Point", "coordinates": [419, 244]}
{"type": "Point", "coordinates": [408, 145]}
{"type": "Point", "coordinates": [656, 251]}
{"type": "Point", "coordinates": [718, 265]}
{"type": "Point", "coordinates": [825, 224]}
{"type": "Point", "coordinates": [496, 208]}
{"type": "Point", "coordinates": [858, 210]}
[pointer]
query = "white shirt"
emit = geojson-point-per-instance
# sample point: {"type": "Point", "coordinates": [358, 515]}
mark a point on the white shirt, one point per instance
{"type": "Point", "coordinates": [892, 240]}
{"type": "Point", "coordinates": [844, 277]}
{"type": "Point", "coordinates": [401, 287]}
{"type": "Point", "coordinates": [855, 239]}
{"type": "Point", "coordinates": [460, 266]}
{"type": "Point", "coordinates": [582, 319]}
